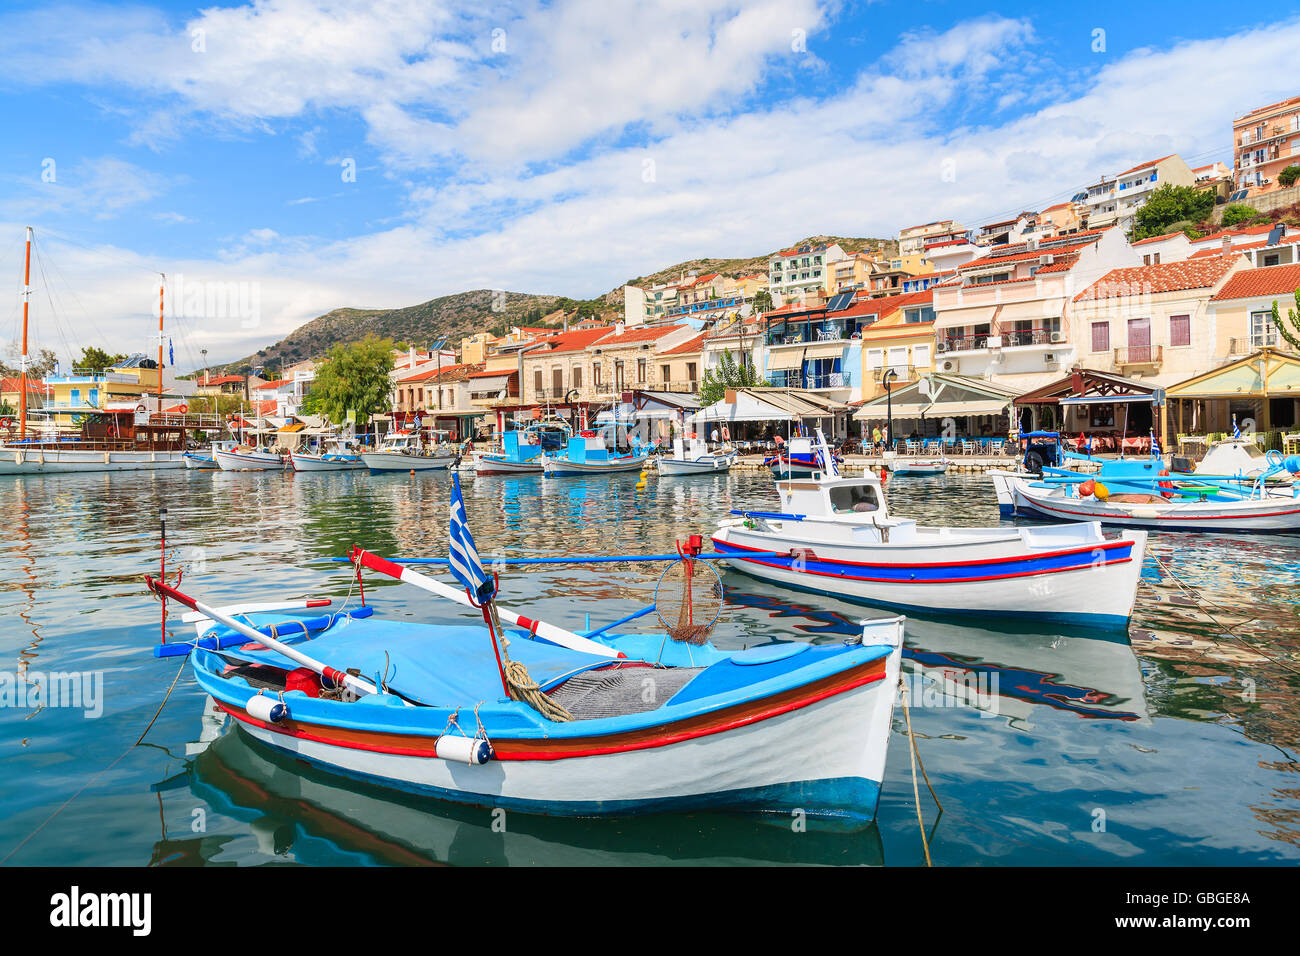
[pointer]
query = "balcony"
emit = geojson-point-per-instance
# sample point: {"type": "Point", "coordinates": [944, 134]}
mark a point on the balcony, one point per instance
{"type": "Point", "coordinates": [968, 343]}
{"type": "Point", "coordinates": [902, 373]}
{"type": "Point", "coordinates": [794, 378]}
{"type": "Point", "coordinates": [1139, 356]}
{"type": "Point", "coordinates": [1017, 338]}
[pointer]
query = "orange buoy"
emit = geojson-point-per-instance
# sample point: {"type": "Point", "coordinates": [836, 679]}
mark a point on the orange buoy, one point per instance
{"type": "Point", "coordinates": [1086, 488]}
{"type": "Point", "coordinates": [1166, 486]}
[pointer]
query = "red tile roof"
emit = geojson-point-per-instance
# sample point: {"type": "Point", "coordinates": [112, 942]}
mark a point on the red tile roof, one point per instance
{"type": "Point", "coordinates": [688, 347]}
{"type": "Point", "coordinates": [15, 384]}
{"type": "Point", "coordinates": [644, 334]}
{"type": "Point", "coordinates": [1065, 250]}
{"type": "Point", "coordinates": [439, 373]}
{"type": "Point", "coordinates": [1167, 235]}
{"type": "Point", "coordinates": [219, 380]}
{"type": "Point", "coordinates": [276, 384]}
{"type": "Point", "coordinates": [1161, 277]}
{"type": "Point", "coordinates": [485, 373]}
{"type": "Point", "coordinates": [574, 340]}
{"type": "Point", "coordinates": [1245, 231]}
{"type": "Point", "coordinates": [267, 407]}
{"type": "Point", "coordinates": [889, 304]}
{"type": "Point", "coordinates": [1218, 250]}
{"type": "Point", "coordinates": [1270, 280]}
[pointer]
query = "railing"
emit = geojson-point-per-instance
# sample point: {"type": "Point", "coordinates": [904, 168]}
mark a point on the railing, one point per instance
{"type": "Point", "coordinates": [965, 343]}
{"type": "Point", "coordinates": [825, 380]}
{"type": "Point", "coordinates": [902, 373]}
{"type": "Point", "coordinates": [1139, 355]}
{"type": "Point", "coordinates": [1018, 337]}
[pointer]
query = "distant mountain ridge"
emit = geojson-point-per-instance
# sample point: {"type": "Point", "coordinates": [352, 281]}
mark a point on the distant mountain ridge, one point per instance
{"type": "Point", "coordinates": [452, 317]}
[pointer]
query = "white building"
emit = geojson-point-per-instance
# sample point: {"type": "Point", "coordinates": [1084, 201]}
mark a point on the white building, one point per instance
{"type": "Point", "coordinates": [799, 273]}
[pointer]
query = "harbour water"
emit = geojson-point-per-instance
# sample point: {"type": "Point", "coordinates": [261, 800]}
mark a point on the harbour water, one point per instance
{"type": "Point", "coordinates": [1176, 746]}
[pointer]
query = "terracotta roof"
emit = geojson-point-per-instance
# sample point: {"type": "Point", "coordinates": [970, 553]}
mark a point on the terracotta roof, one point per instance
{"type": "Point", "coordinates": [629, 336]}
{"type": "Point", "coordinates": [889, 304]}
{"type": "Point", "coordinates": [1161, 277]}
{"type": "Point", "coordinates": [1059, 205]}
{"type": "Point", "coordinates": [485, 373]}
{"type": "Point", "coordinates": [1218, 250]}
{"type": "Point", "coordinates": [16, 383]}
{"type": "Point", "coordinates": [1246, 231]}
{"type": "Point", "coordinates": [574, 340]}
{"type": "Point", "coordinates": [1270, 280]}
{"type": "Point", "coordinates": [446, 372]}
{"type": "Point", "coordinates": [947, 242]}
{"type": "Point", "coordinates": [1154, 162]}
{"type": "Point", "coordinates": [219, 380]}
{"type": "Point", "coordinates": [1065, 250]}
{"type": "Point", "coordinates": [267, 407]}
{"type": "Point", "coordinates": [689, 346]}
{"type": "Point", "coordinates": [1167, 235]}
{"type": "Point", "coordinates": [275, 384]}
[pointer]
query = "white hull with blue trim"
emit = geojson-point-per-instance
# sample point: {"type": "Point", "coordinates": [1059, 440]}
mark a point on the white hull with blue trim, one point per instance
{"type": "Point", "coordinates": [248, 460]}
{"type": "Point", "coordinates": [840, 540]}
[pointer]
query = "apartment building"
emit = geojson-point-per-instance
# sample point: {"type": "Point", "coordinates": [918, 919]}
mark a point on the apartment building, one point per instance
{"type": "Point", "coordinates": [897, 336]}
{"type": "Point", "coordinates": [1242, 309]}
{"type": "Point", "coordinates": [681, 366]}
{"type": "Point", "coordinates": [804, 272]}
{"type": "Point", "coordinates": [1264, 142]}
{"type": "Point", "coordinates": [553, 366]}
{"type": "Point", "coordinates": [914, 239]}
{"type": "Point", "coordinates": [1062, 219]}
{"type": "Point", "coordinates": [1008, 231]}
{"type": "Point", "coordinates": [1171, 247]}
{"type": "Point", "coordinates": [1134, 187]}
{"type": "Point", "coordinates": [624, 359]}
{"type": "Point", "coordinates": [1152, 322]}
{"type": "Point", "coordinates": [1003, 316]}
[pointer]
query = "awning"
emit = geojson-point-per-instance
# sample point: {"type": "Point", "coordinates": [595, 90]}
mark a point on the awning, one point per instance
{"type": "Point", "coordinates": [293, 427]}
{"type": "Point", "coordinates": [958, 316]}
{"type": "Point", "coordinates": [989, 407]}
{"type": "Point", "coordinates": [900, 410]}
{"type": "Point", "coordinates": [823, 350]}
{"type": "Point", "coordinates": [1106, 400]}
{"type": "Point", "coordinates": [489, 383]}
{"type": "Point", "coordinates": [789, 359]}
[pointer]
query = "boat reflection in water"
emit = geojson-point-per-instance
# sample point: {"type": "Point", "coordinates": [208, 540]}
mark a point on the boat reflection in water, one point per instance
{"type": "Point", "coordinates": [298, 813]}
{"type": "Point", "coordinates": [1006, 672]}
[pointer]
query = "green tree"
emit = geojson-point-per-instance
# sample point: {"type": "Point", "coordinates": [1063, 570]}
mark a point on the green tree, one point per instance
{"type": "Point", "coordinates": [96, 360]}
{"type": "Point", "coordinates": [1170, 204]}
{"type": "Point", "coordinates": [39, 364]}
{"type": "Point", "coordinates": [1238, 213]}
{"type": "Point", "coordinates": [1288, 176]}
{"type": "Point", "coordinates": [762, 301]}
{"type": "Point", "coordinates": [354, 378]}
{"type": "Point", "coordinates": [728, 374]}
{"type": "Point", "coordinates": [1292, 334]}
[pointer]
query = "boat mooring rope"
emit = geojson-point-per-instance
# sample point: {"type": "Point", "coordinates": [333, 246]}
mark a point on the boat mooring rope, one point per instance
{"type": "Point", "coordinates": [915, 756]}
{"type": "Point", "coordinates": [1208, 613]}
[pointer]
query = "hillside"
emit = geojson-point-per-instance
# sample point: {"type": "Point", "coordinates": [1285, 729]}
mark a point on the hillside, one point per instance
{"type": "Point", "coordinates": [464, 313]}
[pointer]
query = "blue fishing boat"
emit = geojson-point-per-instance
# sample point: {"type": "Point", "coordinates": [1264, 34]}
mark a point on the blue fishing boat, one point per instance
{"type": "Point", "coordinates": [522, 448]}
{"type": "Point", "coordinates": [522, 714]}
{"type": "Point", "coordinates": [604, 451]}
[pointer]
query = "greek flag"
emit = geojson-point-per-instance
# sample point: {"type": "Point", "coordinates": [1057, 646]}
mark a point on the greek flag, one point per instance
{"type": "Point", "coordinates": [1236, 432]}
{"type": "Point", "coordinates": [464, 562]}
{"type": "Point", "coordinates": [1155, 445]}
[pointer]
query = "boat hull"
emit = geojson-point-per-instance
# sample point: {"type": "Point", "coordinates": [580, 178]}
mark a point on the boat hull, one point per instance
{"type": "Point", "coordinates": [380, 461]}
{"type": "Point", "coordinates": [814, 758]}
{"type": "Point", "coordinates": [1071, 579]}
{"type": "Point", "coordinates": [323, 463]}
{"type": "Point", "coordinates": [919, 468]}
{"type": "Point", "coordinates": [494, 465]}
{"type": "Point", "coordinates": [38, 461]}
{"type": "Point", "coordinates": [708, 465]}
{"type": "Point", "coordinates": [562, 468]}
{"type": "Point", "coordinates": [201, 463]}
{"type": "Point", "coordinates": [1018, 497]}
{"type": "Point", "coordinates": [241, 461]}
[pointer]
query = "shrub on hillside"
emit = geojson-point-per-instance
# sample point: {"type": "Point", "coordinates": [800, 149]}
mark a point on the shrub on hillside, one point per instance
{"type": "Point", "coordinates": [1288, 176]}
{"type": "Point", "coordinates": [1238, 213]}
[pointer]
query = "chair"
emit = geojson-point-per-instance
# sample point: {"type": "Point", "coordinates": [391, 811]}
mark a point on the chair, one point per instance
{"type": "Point", "coordinates": [968, 447]}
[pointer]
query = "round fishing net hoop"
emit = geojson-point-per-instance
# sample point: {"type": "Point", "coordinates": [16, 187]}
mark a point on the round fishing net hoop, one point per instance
{"type": "Point", "coordinates": [688, 599]}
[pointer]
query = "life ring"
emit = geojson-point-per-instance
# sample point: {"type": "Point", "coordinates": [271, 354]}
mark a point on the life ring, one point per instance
{"type": "Point", "coordinates": [141, 408]}
{"type": "Point", "coordinates": [182, 408]}
{"type": "Point", "coordinates": [113, 430]}
{"type": "Point", "coordinates": [1167, 487]}
{"type": "Point", "coordinates": [7, 424]}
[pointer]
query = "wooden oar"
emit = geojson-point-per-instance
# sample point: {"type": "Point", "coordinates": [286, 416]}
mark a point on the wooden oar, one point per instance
{"type": "Point", "coordinates": [358, 685]}
{"type": "Point", "coordinates": [556, 635]}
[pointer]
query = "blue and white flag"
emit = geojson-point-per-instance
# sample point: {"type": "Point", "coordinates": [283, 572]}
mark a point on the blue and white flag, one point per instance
{"type": "Point", "coordinates": [1155, 445]}
{"type": "Point", "coordinates": [1236, 432]}
{"type": "Point", "coordinates": [464, 562]}
{"type": "Point", "coordinates": [171, 353]}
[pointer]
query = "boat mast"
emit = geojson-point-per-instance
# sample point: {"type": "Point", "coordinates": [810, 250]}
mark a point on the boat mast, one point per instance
{"type": "Point", "coordinates": [161, 281]}
{"type": "Point", "coordinates": [27, 298]}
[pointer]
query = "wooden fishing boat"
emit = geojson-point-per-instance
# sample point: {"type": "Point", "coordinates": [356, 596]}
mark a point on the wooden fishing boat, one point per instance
{"type": "Point", "coordinates": [691, 456]}
{"type": "Point", "coordinates": [522, 714]}
{"type": "Point", "coordinates": [522, 448]}
{"type": "Point", "coordinates": [203, 460]}
{"type": "Point", "coordinates": [1165, 502]}
{"type": "Point", "coordinates": [335, 457]}
{"type": "Point", "coordinates": [841, 540]}
{"type": "Point", "coordinates": [248, 458]}
{"type": "Point", "coordinates": [403, 451]}
{"type": "Point", "coordinates": [917, 467]}
{"type": "Point", "coordinates": [595, 453]}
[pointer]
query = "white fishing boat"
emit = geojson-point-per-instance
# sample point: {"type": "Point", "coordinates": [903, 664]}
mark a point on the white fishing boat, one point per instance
{"type": "Point", "coordinates": [204, 460]}
{"type": "Point", "coordinates": [404, 451]}
{"type": "Point", "coordinates": [596, 453]}
{"type": "Point", "coordinates": [337, 456]}
{"type": "Point", "coordinates": [542, 720]}
{"type": "Point", "coordinates": [835, 536]}
{"type": "Point", "coordinates": [918, 467]}
{"type": "Point", "coordinates": [249, 458]}
{"type": "Point", "coordinates": [691, 456]}
{"type": "Point", "coordinates": [522, 448]}
{"type": "Point", "coordinates": [1240, 457]}
{"type": "Point", "coordinates": [1164, 502]}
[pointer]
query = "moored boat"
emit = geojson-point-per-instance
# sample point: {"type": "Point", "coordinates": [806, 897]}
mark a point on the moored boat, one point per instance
{"type": "Point", "coordinates": [248, 458]}
{"type": "Point", "coordinates": [336, 457]}
{"type": "Point", "coordinates": [800, 457]}
{"type": "Point", "coordinates": [918, 467]}
{"type": "Point", "coordinates": [404, 451]}
{"type": "Point", "coordinates": [691, 456]}
{"type": "Point", "coordinates": [522, 448]}
{"type": "Point", "coordinates": [835, 536]}
{"type": "Point", "coordinates": [596, 453]}
{"type": "Point", "coordinates": [199, 460]}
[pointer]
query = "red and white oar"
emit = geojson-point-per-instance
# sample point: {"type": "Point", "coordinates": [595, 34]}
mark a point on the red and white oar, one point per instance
{"type": "Point", "coordinates": [358, 685]}
{"type": "Point", "coordinates": [556, 635]}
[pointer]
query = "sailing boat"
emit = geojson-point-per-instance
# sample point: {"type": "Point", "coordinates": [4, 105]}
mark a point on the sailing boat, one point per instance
{"type": "Point", "coordinates": [118, 436]}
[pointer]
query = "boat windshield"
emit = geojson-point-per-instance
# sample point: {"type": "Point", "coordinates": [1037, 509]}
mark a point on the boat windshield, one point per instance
{"type": "Point", "coordinates": [850, 499]}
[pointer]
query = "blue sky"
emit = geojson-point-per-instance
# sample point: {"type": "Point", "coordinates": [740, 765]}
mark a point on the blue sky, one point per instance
{"type": "Point", "coordinates": [557, 147]}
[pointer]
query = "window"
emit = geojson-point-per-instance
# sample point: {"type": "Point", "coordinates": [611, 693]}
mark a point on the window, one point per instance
{"type": "Point", "coordinates": [667, 372]}
{"type": "Point", "coordinates": [1101, 336]}
{"type": "Point", "coordinates": [557, 381]}
{"type": "Point", "coordinates": [1262, 330]}
{"type": "Point", "coordinates": [537, 381]}
{"type": "Point", "coordinates": [921, 356]}
{"type": "Point", "coordinates": [690, 372]}
{"type": "Point", "coordinates": [1180, 330]}
{"type": "Point", "coordinates": [1271, 259]}
{"type": "Point", "coordinates": [577, 376]}
{"type": "Point", "coordinates": [923, 313]}
{"type": "Point", "coordinates": [875, 358]}
{"type": "Point", "coordinates": [595, 375]}
{"type": "Point", "coordinates": [640, 371]}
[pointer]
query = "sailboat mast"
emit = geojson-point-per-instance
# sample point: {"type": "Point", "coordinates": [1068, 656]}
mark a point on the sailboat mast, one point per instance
{"type": "Point", "coordinates": [160, 342]}
{"type": "Point", "coordinates": [27, 298]}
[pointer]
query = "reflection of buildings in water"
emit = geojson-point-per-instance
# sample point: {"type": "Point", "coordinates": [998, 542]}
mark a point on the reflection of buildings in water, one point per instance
{"type": "Point", "coordinates": [294, 810]}
{"type": "Point", "coordinates": [28, 579]}
{"type": "Point", "coordinates": [1008, 671]}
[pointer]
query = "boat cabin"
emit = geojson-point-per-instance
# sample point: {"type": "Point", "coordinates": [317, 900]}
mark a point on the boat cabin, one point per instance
{"type": "Point", "coordinates": [833, 497]}
{"type": "Point", "coordinates": [593, 447]}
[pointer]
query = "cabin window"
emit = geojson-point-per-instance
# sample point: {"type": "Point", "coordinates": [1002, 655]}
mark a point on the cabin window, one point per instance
{"type": "Point", "coordinates": [848, 499]}
{"type": "Point", "coordinates": [1180, 330]}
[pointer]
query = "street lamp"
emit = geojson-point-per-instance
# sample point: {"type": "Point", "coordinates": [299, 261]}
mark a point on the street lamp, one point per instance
{"type": "Point", "coordinates": [889, 405]}
{"type": "Point", "coordinates": [204, 353]}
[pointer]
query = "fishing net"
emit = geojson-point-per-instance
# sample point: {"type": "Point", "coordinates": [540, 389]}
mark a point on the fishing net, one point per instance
{"type": "Point", "coordinates": [688, 598]}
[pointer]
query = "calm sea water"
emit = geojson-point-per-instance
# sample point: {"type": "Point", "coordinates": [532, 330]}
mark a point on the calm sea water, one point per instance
{"type": "Point", "coordinates": [1176, 746]}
